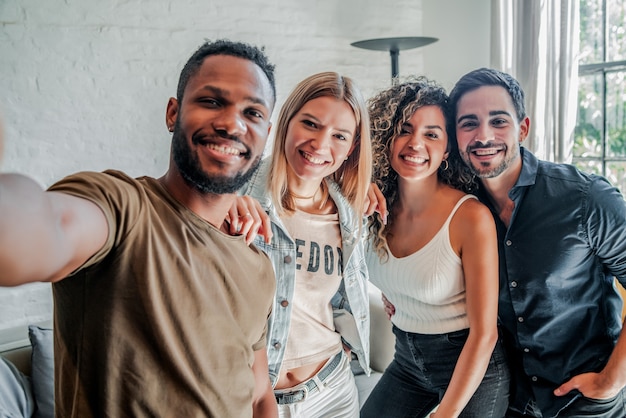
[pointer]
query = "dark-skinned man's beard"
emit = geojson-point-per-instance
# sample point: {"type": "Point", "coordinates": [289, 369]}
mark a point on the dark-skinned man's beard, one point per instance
{"type": "Point", "coordinates": [191, 170]}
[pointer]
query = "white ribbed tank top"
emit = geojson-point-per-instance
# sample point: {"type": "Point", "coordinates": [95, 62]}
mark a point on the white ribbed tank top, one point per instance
{"type": "Point", "coordinates": [427, 287]}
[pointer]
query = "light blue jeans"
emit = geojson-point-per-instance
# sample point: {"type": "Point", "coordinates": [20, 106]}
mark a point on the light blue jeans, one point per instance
{"type": "Point", "coordinates": [420, 372]}
{"type": "Point", "coordinates": [338, 397]}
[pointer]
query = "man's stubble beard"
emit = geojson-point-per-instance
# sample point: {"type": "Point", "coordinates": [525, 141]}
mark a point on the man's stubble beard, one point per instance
{"type": "Point", "coordinates": [485, 171]}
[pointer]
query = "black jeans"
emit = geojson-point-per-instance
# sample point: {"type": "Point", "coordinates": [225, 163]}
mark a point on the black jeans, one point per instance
{"type": "Point", "coordinates": [420, 372]}
{"type": "Point", "coordinates": [583, 407]}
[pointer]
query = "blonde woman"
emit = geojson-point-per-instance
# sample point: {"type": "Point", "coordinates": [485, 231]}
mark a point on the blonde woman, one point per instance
{"type": "Point", "coordinates": [314, 189]}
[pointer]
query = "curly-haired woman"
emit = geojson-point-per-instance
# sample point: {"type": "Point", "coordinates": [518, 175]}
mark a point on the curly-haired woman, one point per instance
{"type": "Point", "coordinates": [435, 260]}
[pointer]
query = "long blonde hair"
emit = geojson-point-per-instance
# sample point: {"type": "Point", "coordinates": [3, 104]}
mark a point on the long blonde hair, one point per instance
{"type": "Point", "coordinates": [354, 175]}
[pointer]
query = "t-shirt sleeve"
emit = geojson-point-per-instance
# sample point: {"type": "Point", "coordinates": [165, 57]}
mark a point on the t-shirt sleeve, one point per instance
{"type": "Point", "coordinates": [262, 343]}
{"type": "Point", "coordinates": [116, 194]}
{"type": "Point", "coordinates": [270, 278]}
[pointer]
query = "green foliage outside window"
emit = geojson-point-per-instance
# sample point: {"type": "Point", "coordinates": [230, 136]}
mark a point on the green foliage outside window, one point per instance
{"type": "Point", "coordinates": [600, 134]}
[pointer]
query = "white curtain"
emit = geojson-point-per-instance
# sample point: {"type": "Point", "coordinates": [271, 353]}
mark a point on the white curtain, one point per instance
{"type": "Point", "coordinates": [537, 42]}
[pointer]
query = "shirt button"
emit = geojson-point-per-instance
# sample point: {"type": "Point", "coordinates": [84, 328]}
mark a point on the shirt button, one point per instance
{"type": "Point", "coordinates": [287, 259]}
{"type": "Point", "coordinates": [277, 345]}
{"type": "Point", "coordinates": [526, 350]}
{"type": "Point", "coordinates": [520, 319]}
{"type": "Point", "coordinates": [534, 378]}
{"type": "Point", "coordinates": [514, 284]}
{"type": "Point", "coordinates": [284, 303]}
{"type": "Point", "coordinates": [508, 243]}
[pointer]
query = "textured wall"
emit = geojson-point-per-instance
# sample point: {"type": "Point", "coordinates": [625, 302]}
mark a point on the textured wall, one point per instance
{"type": "Point", "coordinates": [84, 83]}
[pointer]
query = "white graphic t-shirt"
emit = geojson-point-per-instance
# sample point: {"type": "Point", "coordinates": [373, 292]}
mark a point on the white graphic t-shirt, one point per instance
{"type": "Point", "coordinates": [319, 270]}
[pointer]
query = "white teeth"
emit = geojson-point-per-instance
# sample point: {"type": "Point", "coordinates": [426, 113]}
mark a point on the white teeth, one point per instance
{"type": "Point", "coordinates": [224, 149]}
{"type": "Point", "coordinates": [312, 159]}
{"type": "Point", "coordinates": [418, 160]}
{"type": "Point", "coordinates": [485, 151]}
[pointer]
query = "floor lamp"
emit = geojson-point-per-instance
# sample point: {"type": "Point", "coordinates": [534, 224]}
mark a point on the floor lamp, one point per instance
{"type": "Point", "coordinates": [394, 46]}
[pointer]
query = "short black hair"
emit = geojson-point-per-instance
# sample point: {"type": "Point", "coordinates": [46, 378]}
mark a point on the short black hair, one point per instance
{"type": "Point", "coordinates": [488, 77]}
{"type": "Point", "coordinates": [225, 47]}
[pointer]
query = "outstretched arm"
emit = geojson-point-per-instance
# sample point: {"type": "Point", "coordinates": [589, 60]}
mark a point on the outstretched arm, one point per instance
{"type": "Point", "coordinates": [44, 236]}
{"type": "Point", "coordinates": [264, 403]}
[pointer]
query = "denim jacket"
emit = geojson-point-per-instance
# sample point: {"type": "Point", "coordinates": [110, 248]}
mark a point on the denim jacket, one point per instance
{"type": "Point", "coordinates": [350, 303]}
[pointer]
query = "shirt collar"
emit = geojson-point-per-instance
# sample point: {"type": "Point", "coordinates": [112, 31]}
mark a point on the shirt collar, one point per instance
{"type": "Point", "coordinates": [530, 164]}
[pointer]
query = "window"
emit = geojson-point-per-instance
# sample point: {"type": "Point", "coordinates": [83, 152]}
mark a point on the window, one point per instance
{"type": "Point", "coordinates": [600, 134]}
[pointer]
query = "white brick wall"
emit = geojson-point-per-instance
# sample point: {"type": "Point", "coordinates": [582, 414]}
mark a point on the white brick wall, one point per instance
{"type": "Point", "coordinates": [84, 83]}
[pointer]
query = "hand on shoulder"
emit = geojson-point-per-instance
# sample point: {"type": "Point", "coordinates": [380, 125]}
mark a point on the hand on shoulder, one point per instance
{"type": "Point", "coordinates": [247, 217]}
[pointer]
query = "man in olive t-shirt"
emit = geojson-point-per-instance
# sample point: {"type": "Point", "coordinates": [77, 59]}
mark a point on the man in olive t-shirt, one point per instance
{"type": "Point", "coordinates": [158, 311]}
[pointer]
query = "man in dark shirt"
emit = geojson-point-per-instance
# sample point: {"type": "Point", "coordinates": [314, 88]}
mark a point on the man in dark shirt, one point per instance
{"type": "Point", "coordinates": [562, 242]}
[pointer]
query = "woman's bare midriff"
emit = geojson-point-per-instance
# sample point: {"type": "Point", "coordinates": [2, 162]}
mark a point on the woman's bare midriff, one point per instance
{"type": "Point", "coordinates": [293, 377]}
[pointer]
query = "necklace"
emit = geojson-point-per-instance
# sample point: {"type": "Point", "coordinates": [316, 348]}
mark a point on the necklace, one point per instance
{"type": "Point", "coordinates": [297, 196]}
{"type": "Point", "coordinates": [323, 201]}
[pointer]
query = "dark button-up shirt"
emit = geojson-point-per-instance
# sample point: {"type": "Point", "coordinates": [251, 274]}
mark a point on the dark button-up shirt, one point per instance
{"type": "Point", "coordinates": [559, 308]}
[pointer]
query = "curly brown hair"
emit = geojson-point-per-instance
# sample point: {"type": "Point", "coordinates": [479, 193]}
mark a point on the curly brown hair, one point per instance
{"type": "Point", "coordinates": [389, 110]}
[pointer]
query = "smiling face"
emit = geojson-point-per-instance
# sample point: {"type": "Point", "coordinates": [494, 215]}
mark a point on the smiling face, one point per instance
{"type": "Point", "coordinates": [320, 136]}
{"type": "Point", "coordinates": [421, 146]}
{"type": "Point", "coordinates": [221, 126]}
{"type": "Point", "coordinates": [488, 131]}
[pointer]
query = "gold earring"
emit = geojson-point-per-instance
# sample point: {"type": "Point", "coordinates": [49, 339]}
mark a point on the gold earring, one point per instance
{"type": "Point", "coordinates": [447, 165]}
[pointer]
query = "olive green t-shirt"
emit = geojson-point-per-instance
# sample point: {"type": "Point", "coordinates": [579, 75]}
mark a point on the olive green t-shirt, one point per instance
{"type": "Point", "coordinates": [164, 320]}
